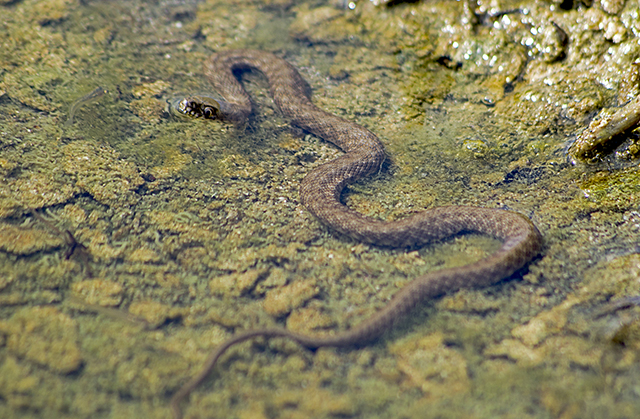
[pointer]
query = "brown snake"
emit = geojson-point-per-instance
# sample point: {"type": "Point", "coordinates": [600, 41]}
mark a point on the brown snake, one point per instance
{"type": "Point", "coordinates": [320, 193]}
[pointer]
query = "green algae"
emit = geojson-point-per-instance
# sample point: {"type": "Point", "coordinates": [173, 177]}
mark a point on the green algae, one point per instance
{"type": "Point", "coordinates": [614, 191]}
{"type": "Point", "coordinates": [200, 226]}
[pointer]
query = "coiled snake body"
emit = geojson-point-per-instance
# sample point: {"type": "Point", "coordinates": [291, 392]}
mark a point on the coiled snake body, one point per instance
{"type": "Point", "coordinates": [320, 193]}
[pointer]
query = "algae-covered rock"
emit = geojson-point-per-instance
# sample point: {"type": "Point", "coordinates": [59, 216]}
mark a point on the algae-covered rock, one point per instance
{"type": "Point", "coordinates": [282, 300]}
{"type": "Point", "coordinates": [430, 366]}
{"type": "Point", "coordinates": [99, 292]}
{"type": "Point", "coordinates": [98, 170]}
{"type": "Point", "coordinates": [26, 241]}
{"type": "Point", "coordinates": [45, 336]}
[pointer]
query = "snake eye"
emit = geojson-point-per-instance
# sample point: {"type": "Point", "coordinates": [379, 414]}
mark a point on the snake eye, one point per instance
{"type": "Point", "coordinates": [209, 112]}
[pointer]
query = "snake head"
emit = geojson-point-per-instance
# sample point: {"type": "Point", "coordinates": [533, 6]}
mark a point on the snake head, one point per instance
{"type": "Point", "coordinates": [197, 107]}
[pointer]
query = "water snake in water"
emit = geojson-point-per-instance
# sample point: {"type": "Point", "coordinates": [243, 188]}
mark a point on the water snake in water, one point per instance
{"type": "Point", "coordinates": [320, 193]}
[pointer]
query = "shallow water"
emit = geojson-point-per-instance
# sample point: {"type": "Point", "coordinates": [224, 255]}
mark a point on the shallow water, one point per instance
{"type": "Point", "coordinates": [186, 232]}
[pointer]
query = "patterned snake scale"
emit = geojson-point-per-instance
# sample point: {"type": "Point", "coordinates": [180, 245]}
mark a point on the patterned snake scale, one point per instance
{"type": "Point", "coordinates": [320, 193]}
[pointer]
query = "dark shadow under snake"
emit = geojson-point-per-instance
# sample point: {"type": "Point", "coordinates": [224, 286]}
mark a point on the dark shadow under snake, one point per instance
{"type": "Point", "coordinates": [320, 193]}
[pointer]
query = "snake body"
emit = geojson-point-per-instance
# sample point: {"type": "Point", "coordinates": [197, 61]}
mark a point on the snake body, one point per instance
{"type": "Point", "coordinates": [320, 193]}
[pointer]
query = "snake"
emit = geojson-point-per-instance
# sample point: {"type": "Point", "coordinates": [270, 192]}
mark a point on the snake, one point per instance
{"type": "Point", "coordinates": [320, 193]}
